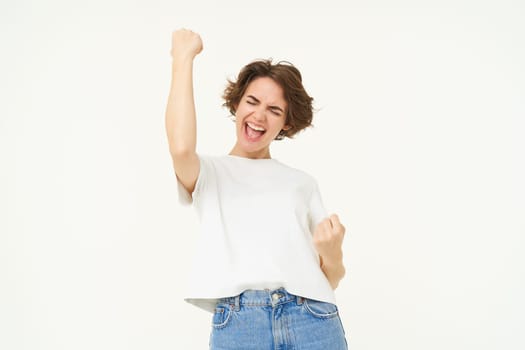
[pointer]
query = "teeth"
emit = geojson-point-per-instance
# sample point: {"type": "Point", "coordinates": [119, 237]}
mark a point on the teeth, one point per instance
{"type": "Point", "coordinates": [254, 127]}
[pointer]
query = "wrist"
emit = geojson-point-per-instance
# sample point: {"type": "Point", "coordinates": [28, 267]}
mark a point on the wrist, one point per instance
{"type": "Point", "coordinates": [332, 260]}
{"type": "Point", "coordinates": [181, 62]}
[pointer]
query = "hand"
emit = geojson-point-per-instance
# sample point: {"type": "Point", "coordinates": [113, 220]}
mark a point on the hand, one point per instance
{"type": "Point", "coordinates": [328, 239]}
{"type": "Point", "coordinates": [185, 44]}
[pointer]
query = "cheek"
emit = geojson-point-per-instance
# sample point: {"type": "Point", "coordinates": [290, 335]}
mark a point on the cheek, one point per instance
{"type": "Point", "coordinates": [241, 112]}
{"type": "Point", "coordinates": [279, 124]}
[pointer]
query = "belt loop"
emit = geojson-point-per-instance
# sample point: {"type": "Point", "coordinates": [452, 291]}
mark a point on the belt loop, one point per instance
{"type": "Point", "coordinates": [237, 302]}
{"type": "Point", "coordinates": [300, 300]}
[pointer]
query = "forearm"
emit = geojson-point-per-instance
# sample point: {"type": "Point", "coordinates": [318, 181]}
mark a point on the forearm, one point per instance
{"type": "Point", "coordinates": [334, 270]}
{"type": "Point", "coordinates": [181, 122]}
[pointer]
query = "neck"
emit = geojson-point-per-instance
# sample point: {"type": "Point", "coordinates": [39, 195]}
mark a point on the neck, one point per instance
{"type": "Point", "coordinates": [260, 154]}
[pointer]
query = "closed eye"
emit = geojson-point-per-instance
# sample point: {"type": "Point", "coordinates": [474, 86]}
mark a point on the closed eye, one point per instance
{"type": "Point", "coordinates": [253, 101]}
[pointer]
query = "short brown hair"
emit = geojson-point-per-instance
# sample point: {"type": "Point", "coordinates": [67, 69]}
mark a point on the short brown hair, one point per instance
{"type": "Point", "coordinates": [299, 110]}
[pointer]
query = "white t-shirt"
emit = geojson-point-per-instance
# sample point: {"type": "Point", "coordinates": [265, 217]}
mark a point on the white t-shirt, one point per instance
{"type": "Point", "coordinates": [257, 218]}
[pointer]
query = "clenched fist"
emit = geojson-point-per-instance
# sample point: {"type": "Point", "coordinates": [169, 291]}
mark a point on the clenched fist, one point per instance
{"type": "Point", "coordinates": [328, 239]}
{"type": "Point", "coordinates": [185, 44]}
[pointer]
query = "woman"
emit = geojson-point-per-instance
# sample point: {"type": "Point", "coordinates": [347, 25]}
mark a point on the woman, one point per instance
{"type": "Point", "coordinates": [268, 257]}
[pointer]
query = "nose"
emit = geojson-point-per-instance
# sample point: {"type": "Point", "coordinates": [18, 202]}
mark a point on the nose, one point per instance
{"type": "Point", "coordinates": [259, 114]}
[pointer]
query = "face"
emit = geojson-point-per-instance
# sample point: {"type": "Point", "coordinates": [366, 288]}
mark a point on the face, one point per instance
{"type": "Point", "coordinates": [263, 108]}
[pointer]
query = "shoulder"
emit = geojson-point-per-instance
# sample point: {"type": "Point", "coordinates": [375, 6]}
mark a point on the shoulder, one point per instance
{"type": "Point", "coordinates": [300, 174]}
{"type": "Point", "coordinates": [209, 158]}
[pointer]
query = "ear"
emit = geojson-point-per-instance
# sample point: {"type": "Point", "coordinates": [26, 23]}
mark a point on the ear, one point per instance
{"type": "Point", "coordinates": [287, 127]}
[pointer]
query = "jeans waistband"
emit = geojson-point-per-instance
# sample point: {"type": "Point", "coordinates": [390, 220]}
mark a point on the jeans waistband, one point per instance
{"type": "Point", "coordinates": [262, 297]}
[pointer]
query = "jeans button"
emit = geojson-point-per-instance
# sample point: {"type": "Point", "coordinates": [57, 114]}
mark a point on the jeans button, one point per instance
{"type": "Point", "coordinates": [276, 296]}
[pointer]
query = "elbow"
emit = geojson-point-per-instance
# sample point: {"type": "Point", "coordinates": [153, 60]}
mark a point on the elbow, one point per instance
{"type": "Point", "coordinates": [181, 152]}
{"type": "Point", "coordinates": [339, 278]}
{"type": "Point", "coordinates": [334, 274]}
{"type": "Point", "coordinates": [181, 146]}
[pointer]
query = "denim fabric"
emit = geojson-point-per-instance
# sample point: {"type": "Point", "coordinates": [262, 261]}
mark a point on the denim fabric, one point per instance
{"type": "Point", "coordinates": [275, 320]}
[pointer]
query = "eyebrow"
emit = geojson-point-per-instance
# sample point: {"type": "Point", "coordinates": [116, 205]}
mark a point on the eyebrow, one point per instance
{"type": "Point", "coordinates": [272, 107]}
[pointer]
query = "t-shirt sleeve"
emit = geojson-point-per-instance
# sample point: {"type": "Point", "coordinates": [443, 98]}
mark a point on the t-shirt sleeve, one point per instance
{"type": "Point", "coordinates": [316, 209]}
{"type": "Point", "coordinates": [185, 198]}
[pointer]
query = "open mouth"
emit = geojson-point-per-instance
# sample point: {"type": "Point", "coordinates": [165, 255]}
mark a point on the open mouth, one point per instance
{"type": "Point", "coordinates": [251, 133]}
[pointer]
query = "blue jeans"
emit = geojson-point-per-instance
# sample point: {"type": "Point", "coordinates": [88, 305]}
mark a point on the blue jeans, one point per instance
{"type": "Point", "coordinates": [275, 320]}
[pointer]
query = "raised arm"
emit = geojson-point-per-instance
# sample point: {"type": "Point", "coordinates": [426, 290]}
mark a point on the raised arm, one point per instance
{"type": "Point", "coordinates": [181, 123]}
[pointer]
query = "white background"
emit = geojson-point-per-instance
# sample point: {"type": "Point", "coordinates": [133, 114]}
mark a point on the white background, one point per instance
{"type": "Point", "coordinates": [418, 147]}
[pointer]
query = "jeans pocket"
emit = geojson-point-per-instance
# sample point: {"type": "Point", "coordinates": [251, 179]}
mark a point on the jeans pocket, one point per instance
{"type": "Point", "coordinates": [222, 315]}
{"type": "Point", "coordinates": [320, 309]}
